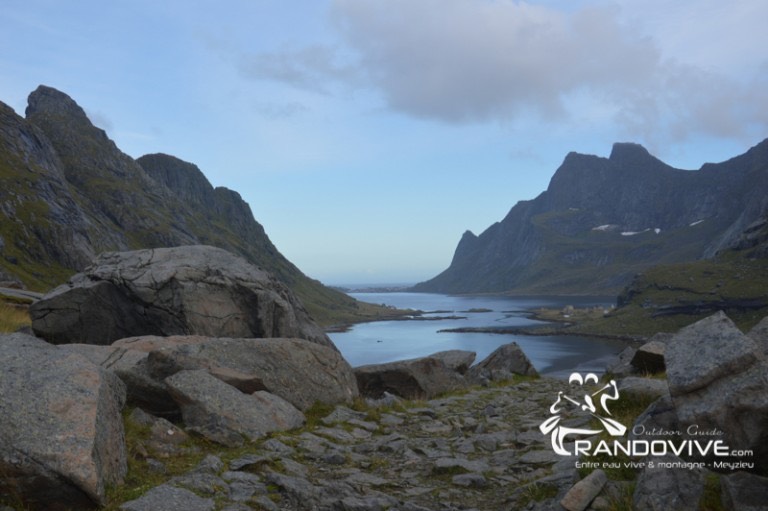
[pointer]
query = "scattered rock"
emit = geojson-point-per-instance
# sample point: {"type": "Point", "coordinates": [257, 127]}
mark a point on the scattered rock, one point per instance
{"type": "Point", "coordinates": [419, 378]}
{"type": "Point", "coordinates": [584, 492]}
{"type": "Point", "coordinates": [130, 365]}
{"type": "Point", "coordinates": [635, 386]}
{"type": "Point", "coordinates": [660, 415]}
{"type": "Point", "coordinates": [744, 492]}
{"type": "Point", "coordinates": [61, 433]}
{"type": "Point", "coordinates": [759, 334]}
{"type": "Point", "coordinates": [668, 488]}
{"type": "Point", "coordinates": [456, 360]}
{"type": "Point", "coordinates": [717, 379]}
{"type": "Point", "coordinates": [296, 370]}
{"type": "Point", "coordinates": [621, 364]}
{"type": "Point", "coordinates": [504, 362]}
{"type": "Point", "coordinates": [171, 291]}
{"type": "Point", "coordinates": [169, 498]}
{"type": "Point", "coordinates": [225, 415]}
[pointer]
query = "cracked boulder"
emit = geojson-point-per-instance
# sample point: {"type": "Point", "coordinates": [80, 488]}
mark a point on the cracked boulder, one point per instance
{"type": "Point", "coordinates": [300, 372]}
{"type": "Point", "coordinates": [190, 290]}
{"type": "Point", "coordinates": [418, 378]}
{"type": "Point", "coordinates": [61, 433]}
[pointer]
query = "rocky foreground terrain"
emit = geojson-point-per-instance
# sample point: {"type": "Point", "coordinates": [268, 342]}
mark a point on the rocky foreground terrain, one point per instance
{"type": "Point", "coordinates": [478, 450]}
{"type": "Point", "coordinates": [186, 415]}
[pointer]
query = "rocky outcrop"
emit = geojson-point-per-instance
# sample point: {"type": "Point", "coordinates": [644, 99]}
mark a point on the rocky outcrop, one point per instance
{"type": "Point", "coordinates": [659, 487]}
{"type": "Point", "coordinates": [717, 379]}
{"type": "Point", "coordinates": [61, 434]}
{"type": "Point", "coordinates": [449, 453]}
{"type": "Point", "coordinates": [504, 362]}
{"type": "Point", "coordinates": [197, 290]}
{"type": "Point", "coordinates": [584, 492]}
{"type": "Point", "coordinates": [130, 365]}
{"type": "Point", "coordinates": [223, 414]}
{"type": "Point", "coordinates": [743, 491]}
{"type": "Point", "coordinates": [759, 334]}
{"type": "Point", "coordinates": [419, 378]}
{"type": "Point", "coordinates": [603, 220]}
{"type": "Point", "coordinates": [647, 388]}
{"type": "Point", "coordinates": [649, 358]}
{"type": "Point", "coordinates": [68, 193]}
{"type": "Point", "coordinates": [445, 371]}
{"type": "Point", "coordinates": [300, 372]}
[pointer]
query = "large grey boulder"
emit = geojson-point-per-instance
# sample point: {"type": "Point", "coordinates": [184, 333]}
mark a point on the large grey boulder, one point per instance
{"type": "Point", "coordinates": [504, 362]}
{"type": "Point", "coordinates": [759, 334]}
{"type": "Point", "coordinates": [744, 492]}
{"type": "Point", "coordinates": [300, 372]}
{"type": "Point", "coordinates": [717, 380]}
{"type": "Point", "coordinates": [456, 360]}
{"type": "Point", "coordinates": [130, 365]}
{"type": "Point", "coordinates": [645, 388]}
{"type": "Point", "coordinates": [225, 415]}
{"type": "Point", "coordinates": [61, 432]}
{"type": "Point", "coordinates": [621, 364]}
{"type": "Point", "coordinates": [418, 378]}
{"type": "Point", "coordinates": [660, 487]}
{"type": "Point", "coordinates": [186, 290]}
{"type": "Point", "coordinates": [649, 358]}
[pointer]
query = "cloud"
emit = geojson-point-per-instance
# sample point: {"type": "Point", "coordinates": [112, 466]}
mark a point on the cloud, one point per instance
{"type": "Point", "coordinates": [98, 118]}
{"type": "Point", "coordinates": [309, 68]}
{"type": "Point", "coordinates": [461, 61]}
{"type": "Point", "coordinates": [464, 60]}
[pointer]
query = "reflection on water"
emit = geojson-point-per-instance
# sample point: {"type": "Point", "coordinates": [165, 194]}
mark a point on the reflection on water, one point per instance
{"type": "Point", "coordinates": [385, 341]}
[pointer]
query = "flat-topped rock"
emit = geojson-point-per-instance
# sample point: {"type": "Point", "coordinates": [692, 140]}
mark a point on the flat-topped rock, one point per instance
{"type": "Point", "coordinates": [199, 290]}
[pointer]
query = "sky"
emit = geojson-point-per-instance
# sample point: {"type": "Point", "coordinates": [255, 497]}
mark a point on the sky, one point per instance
{"type": "Point", "coordinates": [368, 135]}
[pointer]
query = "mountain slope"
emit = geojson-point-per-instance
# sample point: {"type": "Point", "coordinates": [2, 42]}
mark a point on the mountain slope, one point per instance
{"type": "Point", "coordinates": [602, 220]}
{"type": "Point", "coordinates": [68, 193]}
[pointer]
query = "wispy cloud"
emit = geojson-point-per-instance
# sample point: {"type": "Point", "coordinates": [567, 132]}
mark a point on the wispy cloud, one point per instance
{"type": "Point", "coordinates": [463, 61]}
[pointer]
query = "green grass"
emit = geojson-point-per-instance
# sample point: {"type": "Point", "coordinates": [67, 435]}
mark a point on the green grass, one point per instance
{"type": "Point", "coordinates": [727, 280]}
{"type": "Point", "coordinates": [13, 317]}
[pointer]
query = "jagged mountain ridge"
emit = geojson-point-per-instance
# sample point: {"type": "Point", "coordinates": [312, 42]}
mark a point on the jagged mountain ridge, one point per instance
{"type": "Point", "coordinates": [602, 220]}
{"type": "Point", "coordinates": [68, 193]}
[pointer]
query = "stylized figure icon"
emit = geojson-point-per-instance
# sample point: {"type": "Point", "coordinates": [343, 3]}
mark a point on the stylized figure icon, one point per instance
{"type": "Point", "coordinates": [609, 393]}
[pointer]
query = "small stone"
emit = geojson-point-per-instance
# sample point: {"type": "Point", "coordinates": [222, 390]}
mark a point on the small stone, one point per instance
{"type": "Point", "coordinates": [582, 493]}
{"type": "Point", "coordinates": [470, 480]}
{"type": "Point", "coordinates": [334, 459]}
{"type": "Point", "coordinates": [169, 498]}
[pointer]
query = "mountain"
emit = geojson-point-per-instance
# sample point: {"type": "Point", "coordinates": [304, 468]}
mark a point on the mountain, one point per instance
{"type": "Point", "coordinates": [68, 193]}
{"type": "Point", "coordinates": [603, 220]}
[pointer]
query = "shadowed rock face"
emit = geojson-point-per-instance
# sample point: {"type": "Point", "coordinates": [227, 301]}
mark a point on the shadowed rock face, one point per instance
{"type": "Point", "coordinates": [298, 371]}
{"type": "Point", "coordinates": [193, 290]}
{"type": "Point", "coordinates": [70, 193]}
{"type": "Point", "coordinates": [61, 433]}
{"type": "Point", "coordinates": [717, 379]}
{"type": "Point", "coordinates": [602, 220]}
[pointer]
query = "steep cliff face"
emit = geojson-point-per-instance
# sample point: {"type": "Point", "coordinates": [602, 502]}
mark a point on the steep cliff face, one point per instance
{"type": "Point", "coordinates": [602, 220]}
{"type": "Point", "coordinates": [68, 193]}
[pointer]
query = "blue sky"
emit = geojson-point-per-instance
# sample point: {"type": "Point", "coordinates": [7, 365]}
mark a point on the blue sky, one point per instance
{"type": "Point", "coordinates": [368, 135]}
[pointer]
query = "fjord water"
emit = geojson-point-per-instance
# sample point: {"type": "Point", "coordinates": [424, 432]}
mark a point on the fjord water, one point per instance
{"type": "Point", "coordinates": [386, 341]}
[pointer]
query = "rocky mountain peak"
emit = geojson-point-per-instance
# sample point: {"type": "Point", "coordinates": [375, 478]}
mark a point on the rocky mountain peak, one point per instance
{"type": "Point", "coordinates": [47, 100]}
{"type": "Point", "coordinates": [628, 151]}
{"type": "Point", "coordinates": [184, 178]}
{"type": "Point", "coordinates": [601, 220]}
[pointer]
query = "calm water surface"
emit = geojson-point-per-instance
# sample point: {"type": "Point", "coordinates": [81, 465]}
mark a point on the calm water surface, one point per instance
{"type": "Point", "coordinates": [385, 341]}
